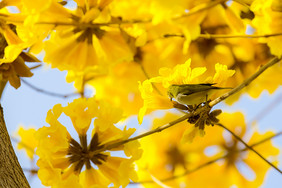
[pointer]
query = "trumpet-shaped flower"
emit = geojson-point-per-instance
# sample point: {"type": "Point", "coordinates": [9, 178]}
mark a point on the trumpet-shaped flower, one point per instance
{"type": "Point", "coordinates": [238, 158]}
{"type": "Point", "coordinates": [268, 13]}
{"type": "Point", "coordinates": [181, 164]}
{"type": "Point", "coordinates": [180, 74]}
{"type": "Point", "coordinates": [173, 156]}
{"type": "Point", "coordinates": [85, 163]}
{"type": "Point", "coordinates": [12, 62]}
{"type": "Point", "coordinates": [27, 141]}
{"type": "Point", "coordinates": [82, 42]}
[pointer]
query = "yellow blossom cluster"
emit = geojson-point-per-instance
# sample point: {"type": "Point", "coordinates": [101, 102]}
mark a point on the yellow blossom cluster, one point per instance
{"type": "Point", "coordinates": [136, 55]}
{"type": "Point", "coordinates": [94, 39]}
{"type": "Point", "coordinates": [180, 74]}
{"type": "Point", "coordinates": [184, 161]}
{"type": "Point", "coordinates": [64, 161]}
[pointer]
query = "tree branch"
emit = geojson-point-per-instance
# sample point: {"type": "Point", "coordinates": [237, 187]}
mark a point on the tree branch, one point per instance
{"type": "Point", "coordinates": [211, 104]}
{"type": "Point", "coordinates": [193, 11]}
{"type": "Point", "coordinates": [245, 83]}
{"type": "Point", "coordinates": [23, 144]}
{"type": "Point", "coordinates": [199, 110]}
{"type": "Point", "coordinates": [249, 147]}
{"type": "Point", "coordinates": [48, 92]}
{"type": "Point", "coordinates": [218, 36]}
{"type": "Point", "coordinates": [148, 77]}
{"type": "Point", "coordinates": [209, 162]}
{"type": "Point", "coordinates": [159, 129]}
{"type": "Point", "coordinates": [11, 173]}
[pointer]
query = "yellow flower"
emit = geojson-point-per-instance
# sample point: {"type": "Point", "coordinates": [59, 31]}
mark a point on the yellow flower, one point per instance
{"type": "Point", "coordinates": [180, 74]}
{"type": "Point", "coordinates": [157, 10]}
{"type": "Point", "coordinates": [130, 11]}
{"type": "Point", "coordinates": [232, 51]}
{"type": "Point", "coordinates": [165, 155]}
{"type": "Point", "coordinates": [117, 84]}
{"type": "Point", "coordinates": [12, 71]}
{"type": "Point", "coordinates": [192, 132]}
{"type": "Point", "coordinates": [233, 54]}
{"type": "Point", "coordinates": [81, 162]}
{"type": "Point", "coordinates": [270, 80]}
{"type": "Point", "coordinates": [231, 165]}
{"type": "Point", "coordinates": [91, 177]}
{"type": "Point", "coordinates": [267, 20]}
{"type": "Point", "coordinates": [222, 73]}
{"type": "Point", "coordinates": [27, 141]}
{"type": "Point", "coordinates": [81, 112]}
{"type": "Point", "coordinates": [175, 158]}
{"type": "Point", "coordinates": [53, 140]}
{"type": "Point", "coordinates": [12, 62]}
{"type": "Point", "coordinates": [82, 43]}
{"type": "Point", "coordinates": [65, 52]}
{"type": "Point", "coordinates": [81, 78]}
{"type": "Point", "coordinates": [21, 34]}
{"type": "Point", "coordinates": [152, 100]}
{"type": "Point", "coordinates": [12, 57]}
{"type": "Point", "coordinates": [107, 116]}
{"type": "Point", "coordinates": [14, 44]}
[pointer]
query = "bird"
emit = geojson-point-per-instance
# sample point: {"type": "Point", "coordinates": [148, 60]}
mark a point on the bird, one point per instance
{"type": "Point", "coordinates": [192, 94]}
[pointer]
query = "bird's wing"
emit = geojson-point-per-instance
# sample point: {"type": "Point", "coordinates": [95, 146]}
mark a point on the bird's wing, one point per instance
{"type": "Point", "coordinates": [194, 88]}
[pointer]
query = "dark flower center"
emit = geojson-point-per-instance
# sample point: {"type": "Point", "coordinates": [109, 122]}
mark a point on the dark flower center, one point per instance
{"type": "Point", "coordinates": [232, 151]}
{"type": "Point", "coordinates": [175, 157]}
{"type": "Point", "coordinates": [88, 32]}
{"type": "Point", "coordinates": [79, 154]}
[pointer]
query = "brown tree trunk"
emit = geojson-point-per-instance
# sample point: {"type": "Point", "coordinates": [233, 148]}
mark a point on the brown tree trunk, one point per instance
{"type": "Point", "coordinates": [11, 173]}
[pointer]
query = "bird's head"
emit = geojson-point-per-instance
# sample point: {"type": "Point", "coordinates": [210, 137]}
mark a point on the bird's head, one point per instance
{"type": "Point", "coordinates": [172, 91]}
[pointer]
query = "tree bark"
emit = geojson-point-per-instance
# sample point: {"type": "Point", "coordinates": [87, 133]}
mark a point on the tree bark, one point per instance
{"type": "Point", "coordinates": [11, 173]}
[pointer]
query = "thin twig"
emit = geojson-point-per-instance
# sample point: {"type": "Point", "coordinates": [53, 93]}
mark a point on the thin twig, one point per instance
{"type": "Point", "coordinates": [23, 144]}
{"type": "Point", "coordinates": [209, 162]}
{"type": "Point", "coordinates": [32, 171]}
{"type": "Point", "coordinates": [148, 77]}
{"type": "Point", "coordinates": [156, 130]}
{"type": "Point", "coordinates": [218, 36]}
{"type": "Point", "coordinates": [249, 147]}
{"type": "Point", "coordinates": [35, 67]}
{"type": "Point", "coordinates": [215, 36]}
{"type": "Point", "coordinates": [263, 140]}
{"type": "Point", "coordinates": [159, 129]}
{"type": "Point", "coordinates": [245, 83]}
{"type": "Point", "coordinates": [192, 12]}
{"type": "Point", "coordinates": [48, 92]}
{"type": "Point", "coordinates": [91, 25]}
{"type": "Point", "coordinates": [211, 104]}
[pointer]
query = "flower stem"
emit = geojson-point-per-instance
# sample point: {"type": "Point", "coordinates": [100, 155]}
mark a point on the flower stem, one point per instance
{"type": "Point", "coordinates": [186, 116]}
{"type": "Point", "coordinates": [245, 83]}
{"type": "Point", "coordinates": [216, 36]}
{"type": "Point", "coordinates": [148, 77]}
{"type": "Point", "coordinates": [249, 147]}
{"type": "Point", "coordinates": [209, 162]}
{"type": "Point", "coordinates": [48, 92]}
{"type": "Point", "coordinates": [159, 129]}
